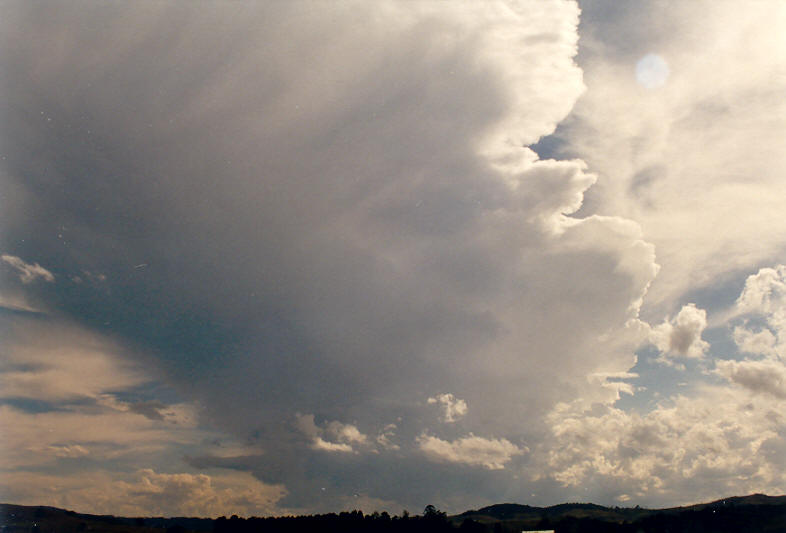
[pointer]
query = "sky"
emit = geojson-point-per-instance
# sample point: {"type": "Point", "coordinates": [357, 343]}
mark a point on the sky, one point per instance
{"type": "Point", "coordinates": [291, 257]}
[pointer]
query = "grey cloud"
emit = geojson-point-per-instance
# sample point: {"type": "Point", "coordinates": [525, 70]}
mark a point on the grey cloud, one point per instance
{"type": "Point", "coordinates": [768, 376]}
{"type": "Point", "coordinates": [681, 335]}
{"type": "Point", "coordinates": [326, 226]}
{"type": "Point", "coordinates": [240, 462]}
{"type": "Point", "coordinates": [151, 409]}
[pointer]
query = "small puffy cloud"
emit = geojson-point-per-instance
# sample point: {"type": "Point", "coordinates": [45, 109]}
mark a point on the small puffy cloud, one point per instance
{"type": "Point", "coordinates": [68, 450]}
{"type": "Point", "coordinates": [767, 376]}
{"type": "Point", "coordinates": [28, 272]}
{"type": "Point", "coordinates": [334, 436]}
{"type": "Point", "coordinates": [681, 336]}
{"type": "Point", "coordinates": [384, 436]}
{"type": "Point", "coordinates": [491, 453]}
{"type": "Point", "coordinates": [612, 381]}
{"type": "Point", "coordinates": [764, 292]}
{"type": "Point", "coordinates": [764, 296]}
{"type": "Point", "coordinates": [322, 444]}
{"type": "Point", "coordinates": [345, 433]}
{"type": "Point", "coordinates": [452, 408]}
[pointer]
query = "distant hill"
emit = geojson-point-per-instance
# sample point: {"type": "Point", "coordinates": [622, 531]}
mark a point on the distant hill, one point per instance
{"type": "Point", "coordinates": [43, 519]}
{"type": "Point", "coordinates": [757, 513]}
{"type": "Point", "coordinates": [750, 510]}
{"type": "Point", "coordinates": [526, 516]}
{"type": "Point", "coordinates": [753, 499]}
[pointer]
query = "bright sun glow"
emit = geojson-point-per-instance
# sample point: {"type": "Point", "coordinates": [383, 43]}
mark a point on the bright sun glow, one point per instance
{"type": "Point", "coordinates": [652, 71]}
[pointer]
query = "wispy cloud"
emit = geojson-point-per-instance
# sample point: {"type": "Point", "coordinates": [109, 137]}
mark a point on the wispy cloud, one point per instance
{"type": "Point", "coordinates": [28, 272]}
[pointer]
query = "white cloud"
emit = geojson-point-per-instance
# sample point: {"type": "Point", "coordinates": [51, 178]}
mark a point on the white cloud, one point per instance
{"type": "Point", "coordinates": [762, 334]}
{"type": "Point", "coordinates": [681, 336]}
{"type": "Point", "coordinates": [669, 454]}
{"type": "Point", "coordinates": [345, 433]}
{"type": "Point", "coordinates": [764, 292]}
{"type": "Point", "coordinates": [28, 272]}
{"type": "Point", "coordinates": [755, 342]}
{"type": "Point", "coordinates": [676, 158]}
{"type": "Point", "coordinates": [452, 408]}
{"type": "Point", "coordinates": [490, 453]}
{"type": "Point", "coordinates": [763, 297]}
{"type": "Point", "coordinates": [342, 437]}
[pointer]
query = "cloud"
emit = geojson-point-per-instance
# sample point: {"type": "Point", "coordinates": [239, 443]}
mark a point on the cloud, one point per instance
{"type": "Point", "coordinates": [676, 157]}
{"type": "Point", "coordinates": [336, 211]}
{"type": "Point", "coordinates": [27, 272]}
{"type": "Point", "coordinates": [764, 292]}
{"type": "Point", "coordinates": [384, 436]}
{"type": "Point", "coordinates": [768, 376]}
{"type": "Point", "coordinates": [74, 409]}
{"type": "Point", "coordinates": [147, 492]}
{"type": "Point", "coordinates": [151, 410]}
{"type": "Point", "coordinates": [40, 438]}
{"type": "Point", "coordinates": [715, 433]}
{"type": "Point", "coordinates": [681, 336]}
{"type": "Point", "coordinates": [393, 226]}
{"type": "Point", "coordinates": [53, 362]}
{"type": "Point", "coordinates": [755, 342]}
{"type": "Point", "coordinates": [613, 382]}
{"type": "Point", "coordinates": [342, 436]}
{"type": "Point", "coordinates": [74, 450]}
{"type": "Point", "coordinates": [196, 495]}
{"type": "Point", "coordinates": [452, 408]}
{"type": "Point", "coordinates": [760, 314]}
{"type": "Point", "coordinates": [471, 450]}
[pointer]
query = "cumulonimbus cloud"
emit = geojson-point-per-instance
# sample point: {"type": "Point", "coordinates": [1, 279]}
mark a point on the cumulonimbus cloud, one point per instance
{"type": "Point", "coordinates": [326, 210]}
